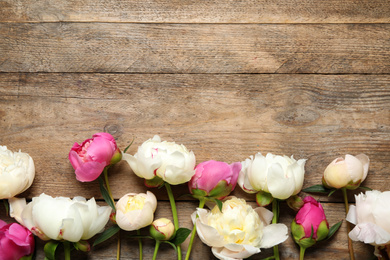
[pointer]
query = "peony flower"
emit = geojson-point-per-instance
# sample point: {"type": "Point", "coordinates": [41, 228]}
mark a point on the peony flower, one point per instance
{"type": "Point", "coordinates": [239, 231]}
{"type": "Point", "coordinates": [17, 172]}
{"type": "Point", "coordinates": [169, 161]}
{"type": "Point", "coordinates": [60, 218]}
{"type": "Point", "coordinates": [135, 211]}
{"type": "Point", "coordinates": [310, 224]}
{"type": "Point", "coordinates": [214, 179]}
{"type": "Point", "coordinates": [91, 157]}
{"type": "Point", "coordinates": [371, 215]}
{"type": "Point", "coordinates": [162, 229]}
{"type": "Point", "coordinates": [346, 172]}
{"type": "Point", "coordinates": [16, 241]}
{"type": "Point", "coordinates": [280, 176]}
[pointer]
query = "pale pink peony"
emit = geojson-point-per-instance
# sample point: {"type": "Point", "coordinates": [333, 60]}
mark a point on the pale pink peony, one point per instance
{"type": "Point", "coordinates": [214, 179]}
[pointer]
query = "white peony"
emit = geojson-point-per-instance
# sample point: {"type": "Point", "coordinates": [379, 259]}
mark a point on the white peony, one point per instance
{"type": "Point", "coordinates": [239, 231]}
{"type": "Point", "coordinates": [371, 215]}
{"type": "Point", "coordinates": [135, 211]}
{"type": "Point", "coordinates": [60, 218]}
{"type": "Point", "coordinates": [171, 162]}
{"type": "Point", "coordinates": [281, 176]}
{"type": "Point", "coordinates": [17, 172]}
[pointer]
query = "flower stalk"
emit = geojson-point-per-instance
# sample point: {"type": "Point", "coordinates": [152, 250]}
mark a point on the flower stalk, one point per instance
{"type": "Point", "coordinates": [275, 219]}
{"type": "Point", "coordinates": [174, 214]}
{"type": "Point", "coordinates": [140, 245]}
{"type": "Point", "coordinates": [201, 205]}
{"type": "Point", "coordinates": [301, 252]}
{"type": "Point", "coordinates": [157, 246]}
{"type": "Point", "coordinates": [67, 250]}
{"type": "Point", "coordinates": [350, 246]}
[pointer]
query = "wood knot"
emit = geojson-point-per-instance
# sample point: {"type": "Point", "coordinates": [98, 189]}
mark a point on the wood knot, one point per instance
{"type": "Point", "coordinates": [297, 117]}
{"type": "Point", "coordinates": [113, 129]}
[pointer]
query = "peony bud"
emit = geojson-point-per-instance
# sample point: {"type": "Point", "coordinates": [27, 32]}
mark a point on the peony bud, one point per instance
{"type": "Point", "coordinates": [91, 157]}
{"type": "Point", "coordinates": [135, 211]}
{"type": "Point", "coordinates": [162, 229]}
{"type": "Point", "coordinates": [348, 172]}
{"type": "Point", "coordinates": [214, 179]}
{"type": "Point", "coordinates": [310, 224]}
{"type": "Point", "coordinates": [16, 241]}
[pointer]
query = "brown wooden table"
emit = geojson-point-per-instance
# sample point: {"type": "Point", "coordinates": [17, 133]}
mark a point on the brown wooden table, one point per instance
{"type": "Point", "coordinates": [226, 78]}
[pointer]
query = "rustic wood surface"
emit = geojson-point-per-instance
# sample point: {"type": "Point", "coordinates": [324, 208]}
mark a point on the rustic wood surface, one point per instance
{"type": "Point", "coordinates": [226, 78]}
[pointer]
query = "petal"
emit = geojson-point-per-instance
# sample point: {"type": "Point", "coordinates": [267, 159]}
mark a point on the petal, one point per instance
{"type": "Point", "coordinates": [226, 253]}
{"type": "Point", "coordinates": [352, 216]}
{"type": "Point", "coordinates": [89, 171]}
{"type": "Point", "coordinates": [354, 167]}
{"type": "Point", "coordinates": [257, 173]}
{"type": "Point", "coordinates": [274, 234]}
{"type": "Point", "coordinates": [370, 233]}
{"type": "Point", "coordinates": [280, 185]}
{"type": "Point", "coordinates": [16, 207]}
{"type": "Point", "coordinates": [209, 235]}
{"type": "Point", "coordinates": [265, 215]}
{"type": "Point", "coordinates": [243, 179]}
{"type": "Point", "coordinates": [365, 162]}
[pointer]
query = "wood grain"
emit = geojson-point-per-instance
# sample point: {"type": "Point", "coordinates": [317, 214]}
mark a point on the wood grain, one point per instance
{"type": "Point", "coordinates": [190, 11]}
{"type": "Point", "coordinates": [194, 48]}
{"type": "Point", "coordinates": [221, 117]}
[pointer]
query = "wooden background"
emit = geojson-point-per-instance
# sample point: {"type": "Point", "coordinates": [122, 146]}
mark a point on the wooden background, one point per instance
{"type": "Point", "coordinates": [228, 79]}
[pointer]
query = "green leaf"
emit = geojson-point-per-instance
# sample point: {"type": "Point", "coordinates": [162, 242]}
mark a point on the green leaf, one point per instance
{"type": "Point", "coordinates": [172, 244]}
{"type": "Point", "coordinates": [181, 236]}
{"type": "Point", "coordinates": [50, 250]}
{"type": "Point", "coordinates": [105, 194]}
{"type": "Point", "coordinates": [331, 192]}
{"type": "Point", "coordinates": [365, 188]}
{"type": "Point", "coordinates": [333, 229]}
{"type": "Point", "coordinates": [128, 146]}
{"type": "Point", "coordinates": [219, 203]}
{"type": "Point", "coordinates": [107, 234]}
{"type": "Point", "coordinates": [317, 188]}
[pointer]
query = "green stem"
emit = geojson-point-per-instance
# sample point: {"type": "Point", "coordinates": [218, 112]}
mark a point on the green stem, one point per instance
{"type": "Point", "coordinates": [174, 214]}
{"type": "Point", "coordinates": [105, 173]}
{"type": "Point", "coordinates": [350, 247]}
{"type": "Point", "coordinates": [67, 250]}
{"type": "Point", "coordinates": [201, 205]}
{"type": "Point", "coordinates": [301, 253]}
{"type": "Point", "coordinates": [118, 248]}
{"type": "Point", "coordinates": [139, 245]}
{"type": "Point", "coordinates": [275, 218]}
{"type": "Point", "coordinates": [156, 249]}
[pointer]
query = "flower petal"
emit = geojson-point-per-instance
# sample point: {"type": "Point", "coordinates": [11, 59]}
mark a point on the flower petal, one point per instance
{"type": "Point", "coordinates": [273, 235]}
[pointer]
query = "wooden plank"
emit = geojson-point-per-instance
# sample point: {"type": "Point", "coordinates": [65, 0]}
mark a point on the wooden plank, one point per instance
{"type": "Point", "coordinates": [164, 11]}
{"type": "Point", "coordinates": [189, 48]}
{"type": "Point", "coordinates": [221, 117]}
{"type": "Point", "coordinates": [336, 248]}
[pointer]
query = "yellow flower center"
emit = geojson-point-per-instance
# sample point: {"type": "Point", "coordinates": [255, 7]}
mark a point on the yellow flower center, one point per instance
{"type": "Point", "coordinates": [135, 203]}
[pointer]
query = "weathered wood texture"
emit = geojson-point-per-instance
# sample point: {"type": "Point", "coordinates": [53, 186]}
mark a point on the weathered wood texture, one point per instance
{"type": "Point", "coordinates": [193, 11]}
{"type": "Point", "coordinates": [314, 117]}
{"type": "Point", "coordinates": [194, 48]}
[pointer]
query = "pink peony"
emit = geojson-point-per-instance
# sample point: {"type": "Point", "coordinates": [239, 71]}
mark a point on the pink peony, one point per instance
{"type": "Point", "coordinates": [16, 241]}
{"type": "Point", "coordinates": [214, 179]}
{"type": "Point", "coordinates": [91, 157]}
{"type": "Point", "coordinates": [310, 224]}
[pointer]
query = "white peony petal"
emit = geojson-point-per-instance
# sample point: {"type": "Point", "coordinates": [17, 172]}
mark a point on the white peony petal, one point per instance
{"type": "Point", "coordinates": [234, 251]}
{"type": "Point", "coordinates": [280, 185]}
{"type": "Point", "coordinates": [16, 207]}
{"type": "Point", "coordinates": [352, 216]}
{"type": "Point", "coordinates": [209, 235]}
{"type": "Point", "coordinates": [365, 162]}
{"type": "Point", "coordinates": [257, 173]}
{"type": "Point", "coordinates": [370, 233]}
{"type": "Point", "coordinates": [274, 234]}
{"type": "Point", "coordinates": [354, 168]}
{"type": "Point", "coordinates": [265, 215]}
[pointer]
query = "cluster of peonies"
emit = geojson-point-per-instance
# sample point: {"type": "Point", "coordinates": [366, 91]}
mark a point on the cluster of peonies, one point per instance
{"type": "Point", "coordinates": [232, 228]}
